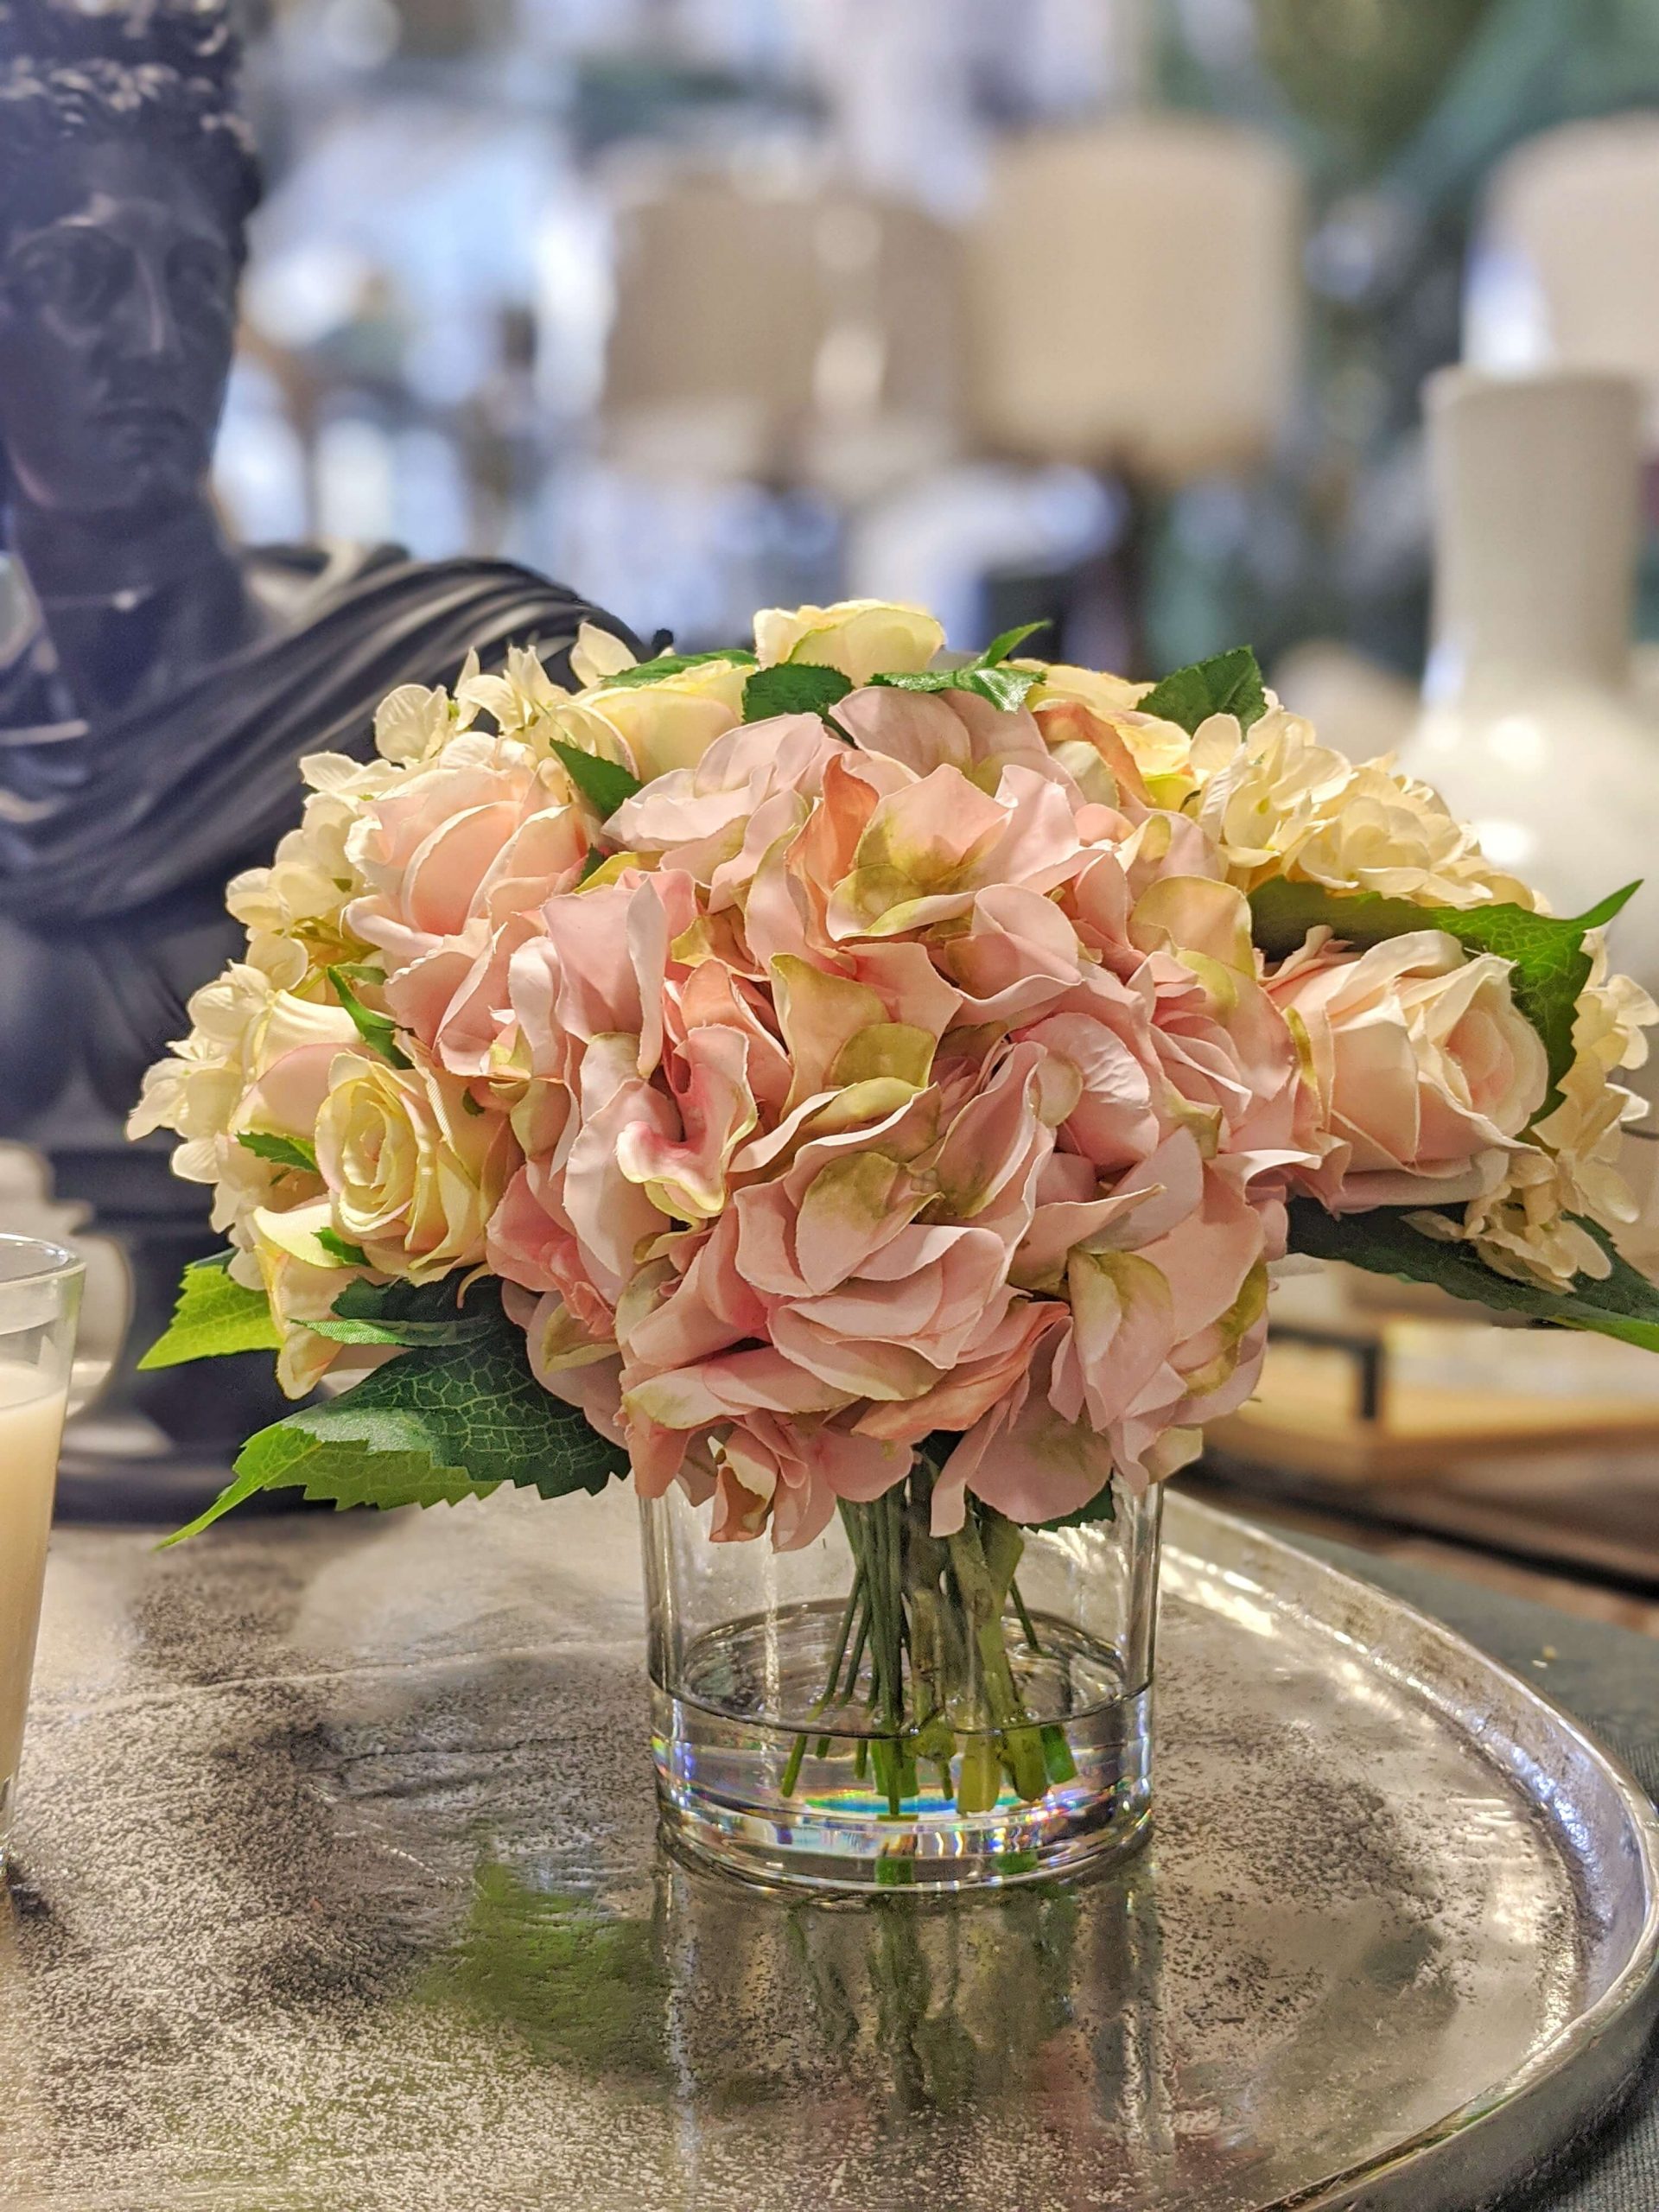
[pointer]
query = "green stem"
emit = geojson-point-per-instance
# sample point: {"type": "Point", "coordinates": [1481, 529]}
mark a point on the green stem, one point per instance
{"type": "Point", "coordinates": [982, 1558]}
{"type": "Point", "coordinates": [1027, 1626]}
{"type": "Point", "coordinates": [926, 1615]}
{"type": "Point", "coordinates": [792, 1772]}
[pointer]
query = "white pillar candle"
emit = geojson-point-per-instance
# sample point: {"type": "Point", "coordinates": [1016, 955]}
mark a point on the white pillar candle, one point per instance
{"type": "Point", "coordinates": [31, 1428]}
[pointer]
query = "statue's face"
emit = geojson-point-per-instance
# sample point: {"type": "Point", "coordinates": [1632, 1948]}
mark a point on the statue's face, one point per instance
{"type": "Point", "coordinates": [117, 296]}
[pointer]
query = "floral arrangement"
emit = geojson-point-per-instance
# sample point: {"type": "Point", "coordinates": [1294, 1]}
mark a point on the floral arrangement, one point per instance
{"type": "Point", "coordinates": [832, 1077]}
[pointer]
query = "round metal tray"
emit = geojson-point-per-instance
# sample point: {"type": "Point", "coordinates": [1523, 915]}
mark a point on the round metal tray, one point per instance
{"type": "Point", "coordinates": [339, 1891]}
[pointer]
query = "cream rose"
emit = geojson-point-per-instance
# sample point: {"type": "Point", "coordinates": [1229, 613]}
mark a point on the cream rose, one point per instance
{"type": "Point", "coordinates": [413, 1174]}
{"type": "Point", "coordinates": [1425, 1070]}
{"type": "Point", "coordinates": [657, 726]}
{"type": "Point", "coordinates": [860, 637]}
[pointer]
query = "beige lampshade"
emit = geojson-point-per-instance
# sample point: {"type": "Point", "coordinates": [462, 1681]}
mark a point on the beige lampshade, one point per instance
{"type": "Point", "coordinates": [1133, 292]}
{"type": "Point", "coordinates": [1565, 274]}
{"type": "Point", "coordinates": [780, 333]}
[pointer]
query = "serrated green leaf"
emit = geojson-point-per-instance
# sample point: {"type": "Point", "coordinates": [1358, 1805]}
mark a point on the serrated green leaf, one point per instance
{"type": "Point", "coordinates": [1005, 688]}
{"type": "Point", "coordinates": [214, 1318]}
{"type": "Point", "coordinates": [437, 1424]}
{"type": "Point", "coordinates": [378, 1031]}
{"type": "Point", "coordinates": [337, 1248]}
{"type": "Point", "coordinates": [793, 688]}
{"type": "Point", "coordinates": [413, 1313]}
{"type": "Point", "coordinates": [1006, 641]}
{"type": "Point", "coordinates": [1550, 970]}
{"type": "Point", "coordinates": [281, 1152]}
{"type": "Point", "coordinates": [652, 672]}
{"type": "Point", "coordinates": [1227, 683]}
{"type": "Point", "coordinates": [1625, 1305]}
{"type": "Point", "coordinates": [604, 784]}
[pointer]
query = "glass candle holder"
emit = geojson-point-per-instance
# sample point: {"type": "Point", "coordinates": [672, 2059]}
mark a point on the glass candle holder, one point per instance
{"type": "Point", "coordinates": [40, 1297]}
{"type": "Point", "coordinates": [885, 1708]}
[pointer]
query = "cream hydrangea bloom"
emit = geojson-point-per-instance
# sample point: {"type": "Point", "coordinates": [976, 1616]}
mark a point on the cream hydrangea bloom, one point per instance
{"type": "Point", "coordinates": [416, 720]}
{"type": "Point", "coordinates": [294, 907]}
{"type": "Point", "coordinates": [1523, 1228]}
{"type": "Point", "coordinates": [597, 656]}
{"type": "Point", "coordinates": [209, 1088]}
{"type": "Point", "coordinates": [240, 1024]}
{"type": "Point", "coordinates": [519, 699]}
{"type": "Point", "coordinates": [1285, 804]}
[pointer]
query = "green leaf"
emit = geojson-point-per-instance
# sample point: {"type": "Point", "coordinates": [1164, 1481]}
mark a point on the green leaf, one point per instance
{"type": "Point", "coordinates": [437, 1424]}
{"type": "Point", "coordinates": [793, 688]}
{"type": "Point", "coordinates": [652, 671]}
{"type": "Point", "coordinates": [1006, 641]}
{"type": "Point", "coordinates": [411, 1313]}
{"type": "Point", "coordinates": [281, 1152]}
{"type": "Point", "coordinates": [1551, 966]}
{"type": "Point", "coordinates": [214, 1316]}
{"type": "Point", "coordinates": [1229, 683]}
{"type": "Point", "coordinates": [595, 859]}
{"type": "Point", "coordinates": [604, 784]}
{"type": "Point", "coordinates": [1005, 688]}
{"type": "Point", "coordinates": [1102, 1506]}
{"type": "Point", "coordinates": [349, 1255]}
{"type": "Point", "coordinates": [378, 1031]}
{"type": "Point", "coordinates": [1385, 1242]}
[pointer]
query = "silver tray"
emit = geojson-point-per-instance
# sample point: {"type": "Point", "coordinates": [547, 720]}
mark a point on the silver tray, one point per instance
{"type": "Point", "coordinates": [339, 1892]}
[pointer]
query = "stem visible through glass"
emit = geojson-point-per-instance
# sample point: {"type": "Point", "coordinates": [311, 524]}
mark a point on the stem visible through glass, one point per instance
{"type": "Point", "coordinates": [928, 1614]}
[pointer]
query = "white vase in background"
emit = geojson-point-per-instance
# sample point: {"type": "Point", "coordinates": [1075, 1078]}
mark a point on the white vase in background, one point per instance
{"type": "Point", "coordinates": [1531, 728]}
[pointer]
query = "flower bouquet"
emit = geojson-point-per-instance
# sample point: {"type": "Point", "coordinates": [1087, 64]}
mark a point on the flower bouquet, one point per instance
{"type": "Point", "coordinates": [864, 1094]}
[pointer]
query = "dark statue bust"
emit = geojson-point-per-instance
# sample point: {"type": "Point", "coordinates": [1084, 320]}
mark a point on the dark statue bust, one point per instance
{"type": "Point", "coordinates": [158, 685]}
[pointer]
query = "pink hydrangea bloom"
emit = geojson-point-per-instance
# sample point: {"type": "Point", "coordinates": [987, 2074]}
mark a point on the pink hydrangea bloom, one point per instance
{"type": "Point", "coordinates": [893, 1084]}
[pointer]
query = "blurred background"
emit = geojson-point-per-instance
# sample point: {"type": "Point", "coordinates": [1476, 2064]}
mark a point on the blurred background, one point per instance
{"type": "Point", "coordinates": [1117, 310]}
{"type": "Point", "coordinates": [1115, 313]}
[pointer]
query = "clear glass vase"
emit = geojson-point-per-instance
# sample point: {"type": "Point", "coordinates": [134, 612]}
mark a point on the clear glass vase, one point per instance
{"type": "Point", "coordinates": [884, 1708]}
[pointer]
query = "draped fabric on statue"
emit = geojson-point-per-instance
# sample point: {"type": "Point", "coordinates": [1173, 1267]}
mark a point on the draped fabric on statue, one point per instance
{"type": "Point", "coordinates": [98, 823]}
{"type": "Point", "coordinates": [116, 844]}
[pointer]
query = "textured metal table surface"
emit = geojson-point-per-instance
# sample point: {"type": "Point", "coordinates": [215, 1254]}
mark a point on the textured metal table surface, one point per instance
{"type": "Point", "coordinates": [338, 1890]}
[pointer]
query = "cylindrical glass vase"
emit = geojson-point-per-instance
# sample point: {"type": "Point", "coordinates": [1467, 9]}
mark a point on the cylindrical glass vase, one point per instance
{"type": "Point", "coordinates": [884, 1708]}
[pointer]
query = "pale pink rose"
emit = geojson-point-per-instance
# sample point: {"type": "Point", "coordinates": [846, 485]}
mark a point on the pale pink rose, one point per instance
{"type": "Point", "coordinates": [1425, 1071]}
{"type": "Point", "coordinates": [436, 850]}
